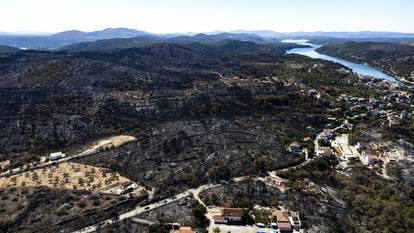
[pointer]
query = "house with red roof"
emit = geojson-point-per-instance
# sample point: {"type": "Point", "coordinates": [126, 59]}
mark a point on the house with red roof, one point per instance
{"type": "Point", "coordinates": [186, 230]}
{"type": "Point", "coordinates": [232, 214]}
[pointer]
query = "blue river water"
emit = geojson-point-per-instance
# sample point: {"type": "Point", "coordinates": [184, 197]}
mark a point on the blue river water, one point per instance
{"type": "Point", "coordinates": [357, 68]}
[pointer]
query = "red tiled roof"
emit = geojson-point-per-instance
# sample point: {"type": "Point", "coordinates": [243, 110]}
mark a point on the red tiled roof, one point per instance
{"type": "Point", "coordinates": [232, 212]}
{"type": "Point", "coordinates": [186, 230]}
{"type": "Point", "coordinates": [218, 218]}
{"type": "Point", "coordinates": [284, 225]}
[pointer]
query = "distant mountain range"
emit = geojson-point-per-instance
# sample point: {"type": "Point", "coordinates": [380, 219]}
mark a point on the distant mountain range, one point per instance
{"type": "Point", "coordinates": [108, 33]}
{"type": "Point", "coordinates": [272, 34]}
{"type": "Point", "coordinates": [61, 39]}
{"type": "Point", "coordinates": [124, 43]}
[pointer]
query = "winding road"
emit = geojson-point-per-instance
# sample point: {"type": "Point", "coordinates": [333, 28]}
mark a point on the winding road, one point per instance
{"type": "Point", "coordinates": [152, 206]}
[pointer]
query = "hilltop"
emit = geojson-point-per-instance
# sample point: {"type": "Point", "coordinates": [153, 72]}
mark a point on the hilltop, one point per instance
{"type": "Point", "coordinates": [8, 49]}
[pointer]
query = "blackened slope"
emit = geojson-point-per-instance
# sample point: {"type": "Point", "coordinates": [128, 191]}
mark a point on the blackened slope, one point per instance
{"type": "Point", "coordinates": [164, 93]}
{"type": "Point", "coordinates": [8, 49]}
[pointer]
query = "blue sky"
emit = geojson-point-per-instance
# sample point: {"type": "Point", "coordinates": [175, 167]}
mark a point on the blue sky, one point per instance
{"type": "Point", "coordinates": [161, 16]}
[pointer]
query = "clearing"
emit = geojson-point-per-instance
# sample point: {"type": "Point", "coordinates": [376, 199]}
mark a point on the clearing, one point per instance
{"type": "Point", "coordinates": [70, 176]}
{"type": "Point", "coordinates": [113, 142]}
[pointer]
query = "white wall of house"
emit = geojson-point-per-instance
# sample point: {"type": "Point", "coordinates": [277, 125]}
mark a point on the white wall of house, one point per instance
{"type": "Point", "coordinates": [233, 219]}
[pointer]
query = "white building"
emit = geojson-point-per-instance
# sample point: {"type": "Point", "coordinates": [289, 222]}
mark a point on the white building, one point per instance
{"type": "Point", "coordinates": [343, 149]}
{"type": "Point", "coordinates": [56, 156]}
{"type": "Point", "coordinates": [232, 214]}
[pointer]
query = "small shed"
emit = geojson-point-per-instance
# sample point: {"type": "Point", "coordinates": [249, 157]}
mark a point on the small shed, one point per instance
{"type": "Point", "coordinates": [56, 155]}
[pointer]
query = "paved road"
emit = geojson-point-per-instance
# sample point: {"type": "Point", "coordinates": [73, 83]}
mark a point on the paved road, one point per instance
{"type": "Point", "coordinates": [50, 163]}
{"type": "Point", "coordinates": [143, 209]}
{"type": "Point", "coordinates": [84, 153]}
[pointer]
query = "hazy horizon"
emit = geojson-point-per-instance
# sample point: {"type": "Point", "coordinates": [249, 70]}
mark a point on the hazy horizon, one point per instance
{"type": "Point", "coordinates": [183, 16]}
{"type": "Point", "coordinates": [190, 32]}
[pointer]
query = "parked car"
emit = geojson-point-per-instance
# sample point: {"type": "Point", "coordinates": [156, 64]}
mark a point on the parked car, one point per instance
{"type": "Point", "coordinates": [261, 225]}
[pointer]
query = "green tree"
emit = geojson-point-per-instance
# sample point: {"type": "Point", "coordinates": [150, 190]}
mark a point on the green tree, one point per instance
{"type": "Point", "coordinates": [199, 212]}
{"type": "Point", "coordinates": [247, 218]}
{"type": "Point", "coordinates": [160, 228]}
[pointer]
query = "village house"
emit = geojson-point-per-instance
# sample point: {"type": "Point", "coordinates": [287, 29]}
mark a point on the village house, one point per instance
{"type": "Point", "coordinates": [186, 230]}
{"type": "Point", "coordinates": [219, 219]}
{"type": "Point", "coordinates": [343, 149]}
{"type": "Point", "coordinates": [327, 134]}
{"type": "Point", "coordinates": [231, 215]}
{"type": "Point", "coordinates": [126, 187]}
{"type": "Point", "coordinates": [283, 222]}
{"type": "Point", "coordinates": [295, 148]}
{"type": "Point", "coordinates": [295, 219]}
{"type": "Point", "coordinates": [303, 185]}
{"type": "Point", "coordinates": [369, 157]}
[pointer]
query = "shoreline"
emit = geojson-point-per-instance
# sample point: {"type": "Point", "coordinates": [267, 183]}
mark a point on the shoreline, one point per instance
{"type": "Point", "coordinates": [402, 80]}
{"type": "Point", "coordinates": [317, 49]}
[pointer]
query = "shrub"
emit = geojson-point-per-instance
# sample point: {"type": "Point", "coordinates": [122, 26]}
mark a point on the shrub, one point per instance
{"type": "Point", "coordinates": [160, 228]}
{"type": "Point", "coordinates": [199, 212]}
{"type": "Point", "coordinates": [5, 222]}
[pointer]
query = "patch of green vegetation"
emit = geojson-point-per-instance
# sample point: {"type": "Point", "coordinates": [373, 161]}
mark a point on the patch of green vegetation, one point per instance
{"type": "Point", "coordinates": [23, 160]}
{"type": "Point", "coordinates": [319, 170]}
{"type": "Point", "coordinates": [375, 205]}
{"type": "Point", "coordinates": [199, 212]}
{"type": "Point", "coordinates": [160, 228]}
{"type": "Point", "coordinates": [247, 218]}
{"type": "Point", "coordinates": [405, 131]}
{"type": "Point", "coordinates": [261, 216]}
